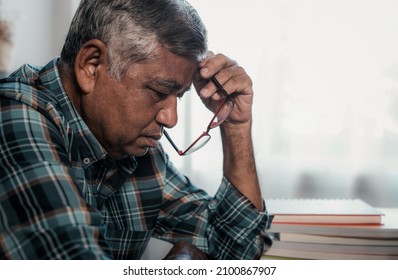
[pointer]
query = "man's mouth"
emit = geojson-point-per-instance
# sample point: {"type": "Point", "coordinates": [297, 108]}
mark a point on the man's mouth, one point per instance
{"type": "Point", "coordinates": [152, 140]}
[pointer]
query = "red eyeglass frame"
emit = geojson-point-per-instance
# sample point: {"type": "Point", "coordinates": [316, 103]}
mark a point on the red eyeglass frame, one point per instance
{"type": "Point", "coordinates": [209, 126]}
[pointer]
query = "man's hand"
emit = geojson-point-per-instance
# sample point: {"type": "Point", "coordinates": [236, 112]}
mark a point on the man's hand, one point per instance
{"type": "Point", "coordinates": [183, 250]}
{"type": "Point", "coordinates": [234, 80]}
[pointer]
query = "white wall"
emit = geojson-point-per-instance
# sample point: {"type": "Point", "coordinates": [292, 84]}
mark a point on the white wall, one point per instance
{"type": "Point", "coordinates": [40, 27]}
{"type": "Point", "coordinates": [325, 76]}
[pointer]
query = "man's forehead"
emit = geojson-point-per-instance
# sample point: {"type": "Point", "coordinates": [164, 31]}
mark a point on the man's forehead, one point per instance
{"type": "Point", "coordinates": [168, 70]}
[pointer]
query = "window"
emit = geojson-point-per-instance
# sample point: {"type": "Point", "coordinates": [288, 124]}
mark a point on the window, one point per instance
{"type": "Point", "coordinates": [326, 96]}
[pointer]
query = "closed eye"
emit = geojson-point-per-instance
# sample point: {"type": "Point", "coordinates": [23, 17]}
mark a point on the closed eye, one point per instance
{"type": "Point", "coordinates": [158, 95]}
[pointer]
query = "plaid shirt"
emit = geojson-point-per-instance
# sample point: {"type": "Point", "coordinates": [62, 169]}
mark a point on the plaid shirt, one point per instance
{"type": "Point", "coordinates": [63, 197]}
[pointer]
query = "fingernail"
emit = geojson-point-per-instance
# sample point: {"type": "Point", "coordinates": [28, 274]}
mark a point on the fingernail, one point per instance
{"type": "Point", "coordinates": [205, 70]}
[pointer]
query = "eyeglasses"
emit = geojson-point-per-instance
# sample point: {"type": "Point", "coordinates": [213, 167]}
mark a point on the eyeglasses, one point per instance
{"type": "Point", "coordinates": [221, 114]}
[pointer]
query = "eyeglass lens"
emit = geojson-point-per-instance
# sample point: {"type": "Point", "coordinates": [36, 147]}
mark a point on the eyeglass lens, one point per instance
{"type": "Point", "coordinates": [199, 143]}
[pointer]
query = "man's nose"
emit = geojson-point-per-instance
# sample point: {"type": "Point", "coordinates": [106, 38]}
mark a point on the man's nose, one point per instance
{"type": "Point", "coordinates": [167, 116]}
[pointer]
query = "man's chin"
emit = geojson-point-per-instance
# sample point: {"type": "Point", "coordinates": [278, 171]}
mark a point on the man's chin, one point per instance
{"type": "Point", "coordinates": [137, 152]}
{"type": "Point", "coordinates": [142, 153]}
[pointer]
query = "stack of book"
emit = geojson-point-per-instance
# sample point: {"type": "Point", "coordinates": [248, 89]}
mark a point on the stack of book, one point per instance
{"type": "Point", "coordinates": [331, 229]}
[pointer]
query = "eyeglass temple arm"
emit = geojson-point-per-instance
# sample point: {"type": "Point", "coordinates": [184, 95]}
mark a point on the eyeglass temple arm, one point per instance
{"type": "Point", "coordinates": [218, 85]}
{"type": "Point", "coordinates": [171, 142]}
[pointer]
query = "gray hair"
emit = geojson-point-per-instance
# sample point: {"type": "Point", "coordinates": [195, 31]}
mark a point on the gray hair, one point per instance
{"type": "Point", "coordinates": [132, 29]}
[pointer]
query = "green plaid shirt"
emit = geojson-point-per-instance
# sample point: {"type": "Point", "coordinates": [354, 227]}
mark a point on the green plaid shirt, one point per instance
{"type": "Point", "coordinates": [63, 197]}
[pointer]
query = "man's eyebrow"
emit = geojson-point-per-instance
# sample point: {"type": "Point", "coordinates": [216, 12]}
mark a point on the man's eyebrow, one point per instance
{"type": "Point", "coordinates": [172, 85]}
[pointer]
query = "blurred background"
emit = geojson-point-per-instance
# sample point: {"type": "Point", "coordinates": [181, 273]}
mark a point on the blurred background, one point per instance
{"type": "Point", "coordinates": [325, 75]}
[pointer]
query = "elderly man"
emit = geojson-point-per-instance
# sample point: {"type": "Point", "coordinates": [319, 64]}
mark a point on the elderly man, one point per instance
{"type": "Point", "coordinates": [82, 173]}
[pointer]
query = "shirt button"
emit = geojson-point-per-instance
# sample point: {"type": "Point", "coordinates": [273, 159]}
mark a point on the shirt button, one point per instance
{"type": "Point", "coordinates": [86, 160]}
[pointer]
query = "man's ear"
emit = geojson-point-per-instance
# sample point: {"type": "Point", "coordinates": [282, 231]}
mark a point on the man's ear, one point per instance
{"type": "Point", "coordinates": [90, 57]}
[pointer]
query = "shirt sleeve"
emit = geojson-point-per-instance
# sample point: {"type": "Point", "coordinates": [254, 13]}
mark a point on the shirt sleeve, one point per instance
{"type": "Point", "coordinates": [43, 215]}
{"type": "Point", "coordinates": [233, 216]}
{"type": "Point", "coordinates": [226, 226]}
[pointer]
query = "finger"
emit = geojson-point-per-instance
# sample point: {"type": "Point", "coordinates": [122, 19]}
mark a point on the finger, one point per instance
{"type": "Point", "coordinates": [235, 80]}
{"type": "Point", "coordinates": [209, 55]}
{"type": "Point", "coordinates": [232, 79]}
{"type": "Point", "coordinates": [214, 64]}
{"type": "Point", "coordinates": [211, 89]}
